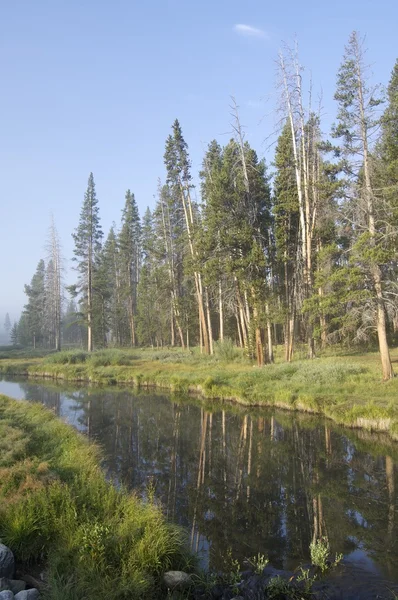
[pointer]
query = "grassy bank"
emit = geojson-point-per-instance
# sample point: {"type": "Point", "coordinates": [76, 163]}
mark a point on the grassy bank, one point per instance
{"type": "Point", "coordinates": [345, 388]}
{"type": "Point", "coordinates": [60, 515]}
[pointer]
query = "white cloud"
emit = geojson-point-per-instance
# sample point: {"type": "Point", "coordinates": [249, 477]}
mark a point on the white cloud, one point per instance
{"type": "Point", "coordinates": [249, 31]}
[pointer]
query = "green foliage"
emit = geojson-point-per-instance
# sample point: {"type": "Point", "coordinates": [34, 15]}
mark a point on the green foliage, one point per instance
{"type": "Point", "coordinates": [258, 563]}
{"type": "Point", "coordinates": [320, 553]}
{"type": "Point", "coordinates": [57, 506]}
{"type": "Point", "coordinates": [110, 357]}
{"type": "Point", "coordinates": [67, 357]}
{"type": "Point", "coordinates": [280, 589]}
{"type": "Point", "coordinates": [226, 350]}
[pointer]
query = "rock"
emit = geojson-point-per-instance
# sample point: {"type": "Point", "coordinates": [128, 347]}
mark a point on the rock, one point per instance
{"type": "Point", "coordinates": [7, 563]}
{"type": "Point", "coordinates": [32, 594]}
{"type": "Point", "coordinates": [6, 595]}
{"type": "Point", "coordinates": [173, 580]}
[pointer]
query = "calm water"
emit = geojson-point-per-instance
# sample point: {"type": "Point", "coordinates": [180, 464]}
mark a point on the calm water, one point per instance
{"type": "Point", "coordinates": [258, 481]}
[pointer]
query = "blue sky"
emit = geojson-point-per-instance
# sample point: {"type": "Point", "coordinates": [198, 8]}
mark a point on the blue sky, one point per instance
{"type": "Point", "coordinates": [95, 85]}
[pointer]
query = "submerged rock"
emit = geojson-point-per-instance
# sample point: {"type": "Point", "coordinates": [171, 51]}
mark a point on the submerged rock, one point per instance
{"type": "Point", "coordinates": [6, 595]}
{"type": "Point", "coordinates": [7, 563]}
{"type": "Point", "coordinates": [176, 580]}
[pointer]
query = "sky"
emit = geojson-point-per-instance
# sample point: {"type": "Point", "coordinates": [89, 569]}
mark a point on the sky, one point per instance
{"type": "Point", "coordinates": [95, 85]}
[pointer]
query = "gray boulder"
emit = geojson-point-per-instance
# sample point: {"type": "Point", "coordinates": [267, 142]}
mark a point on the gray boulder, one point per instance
{"type": "Point", "coordinates": [6, 595]}
{"type": "Point", "coordinates": [176, 580]}
{"type": "Point", "coordinates": [7, 563]}
{"type": "Point", "coordinates": [32, 594]}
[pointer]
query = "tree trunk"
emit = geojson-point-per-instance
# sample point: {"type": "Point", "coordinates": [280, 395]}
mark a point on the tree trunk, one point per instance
{"type": "Point", "coordinates": [209, 321]}
{"type": "Point", "coordinates": [173, 342]}
{"type": "Point", "coordinates": [387, 369]}
{"type": "Point", "coordinates": [269, 336]}
{"type": "Point", "coordinates": [221, 312]}
{"type": "Point", "coordinates": [89, 308]}
{"type": "Point", "coordinates": [386, 364]}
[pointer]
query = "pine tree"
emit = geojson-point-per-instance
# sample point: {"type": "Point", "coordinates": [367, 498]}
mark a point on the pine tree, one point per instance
{"type": "Point", "coordinates": [7, 325]}
{"type": "Point", "coordinates": [87, 238]}
{"type": "Point", "coordinates": [54, 286]}
{"type": "Point", "coordinates": [179, 179]}
{"type": "Point", "coordinates": [386, 168]}
{"type": "Point", "coordinates": [35, 308]}
{"type": "Point", "coordinates": [357, 121]}
{"type": "Point", "coordinates": [73, 329]}
{"type": "Point", "coordinates": [286, 214]}
{"type": "Point", "coordinates": [130, 258]}
{"type": "Point", "coordinates": [14, 334]}
{"type": "Point", "coordinates": [112, 318]}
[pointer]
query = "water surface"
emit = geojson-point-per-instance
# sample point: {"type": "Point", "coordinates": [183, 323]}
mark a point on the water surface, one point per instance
{"type": "Point", "coordinates": [249, 481]}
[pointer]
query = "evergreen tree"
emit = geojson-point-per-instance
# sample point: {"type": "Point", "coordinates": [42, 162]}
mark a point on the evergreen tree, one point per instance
{"type": "Point", "coordinates": [14, 334]}
{"type": "Point", "coordinates": [357, 121]}
{"type": "Point", "coordinates": [130, 258]}
{"type": "Point", "coordinates": [286, 215]}
{"type": "Point", "coordinates": [54, 287]}
{"type": "Point", "coordinates": [87, 238]}
{"type": "Point", "coordinates": [387, 180]}
{"type": "Point", "coordinates": [110, 316]}
{"type": "Point", "coordinates": [73, 329]}
{"type": "Point", "coordinates": [35, 307]}
{"type": "Point", "coordinates": [7, 325]}
{"type": "Point", "coordinates": [179, 179]}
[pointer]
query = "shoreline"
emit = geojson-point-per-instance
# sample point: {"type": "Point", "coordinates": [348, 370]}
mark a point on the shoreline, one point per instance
{"type": "Point", "coordinates": [340, 401]}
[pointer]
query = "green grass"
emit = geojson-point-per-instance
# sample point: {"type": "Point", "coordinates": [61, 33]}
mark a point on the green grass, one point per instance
{"type": "Point", "coordinates": [344, 387]}
{"type": "Point", "coordinates": [58, 511]}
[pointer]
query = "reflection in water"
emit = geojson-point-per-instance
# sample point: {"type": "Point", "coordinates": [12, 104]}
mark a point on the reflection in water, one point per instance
{"type": "Point", "coordinates": [258, 481]}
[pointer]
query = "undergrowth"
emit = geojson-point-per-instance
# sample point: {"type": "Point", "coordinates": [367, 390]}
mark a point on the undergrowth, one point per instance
{"type": "Point", "coordinates": [57, 509]}
{"type": "Point", "coordinates": [346, 389]}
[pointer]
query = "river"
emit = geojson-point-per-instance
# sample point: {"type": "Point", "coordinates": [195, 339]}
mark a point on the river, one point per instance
{"type": "Point", "coordinates": [244, 481]}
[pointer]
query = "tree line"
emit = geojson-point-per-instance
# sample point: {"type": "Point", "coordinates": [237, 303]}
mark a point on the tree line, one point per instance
{"type": "Point", "coordinates": [307, 256]}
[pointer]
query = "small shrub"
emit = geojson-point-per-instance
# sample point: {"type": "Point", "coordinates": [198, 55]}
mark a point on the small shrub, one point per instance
{"type": "Point", "coordinates": [111, 357]}
{"type": "Point", "coordinates": [320, 552]}
{"type": "Point", "coordinates": [68, 357]}
{"type": "Point", "coordinates": [258, 563]}
{"type": "Point", "coordinates": [226, 350]}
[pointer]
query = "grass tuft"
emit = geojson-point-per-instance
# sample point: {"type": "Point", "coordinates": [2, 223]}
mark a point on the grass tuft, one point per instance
{"type": "Point", "coordinates": [57, 507]}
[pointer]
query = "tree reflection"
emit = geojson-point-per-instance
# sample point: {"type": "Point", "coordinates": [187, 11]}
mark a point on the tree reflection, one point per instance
{"type": "Point", "coordinates": [257, 481]}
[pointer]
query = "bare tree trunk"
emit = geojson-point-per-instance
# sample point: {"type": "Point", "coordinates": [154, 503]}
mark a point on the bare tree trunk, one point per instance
{"type": "Point", "coordinates": [189, 221]}
{"type": "Point", "coordinates": [221, 311]}
{"type": "Point", "coordinates": [210, 329]}
{"type": "Point", "coordinates": [241, 343]}
{"type": "Point", "coordinates": [172, 327]}
{"type": "Point", "coordinates": [269, 335]}
{"type": "Point", "coordinates": [89, 305]}
{"type": "Point", "coordinates": [242, 318]}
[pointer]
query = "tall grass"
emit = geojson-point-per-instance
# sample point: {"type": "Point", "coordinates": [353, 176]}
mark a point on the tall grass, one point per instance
{"type": "Point", "coordinates": [56, 506]}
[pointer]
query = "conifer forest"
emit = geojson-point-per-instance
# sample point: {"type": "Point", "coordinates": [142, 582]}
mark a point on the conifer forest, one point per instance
{"type": "Point", "coordinates": [299, 251]}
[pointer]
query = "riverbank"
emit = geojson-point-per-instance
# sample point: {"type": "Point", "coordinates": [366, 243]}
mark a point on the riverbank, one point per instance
{"type": "Point", "coordinates": [60, 516]}
{"type": "Point", "coordinates": [344, 388]}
